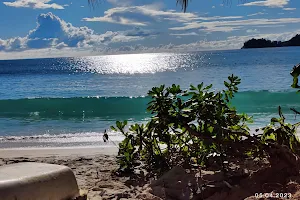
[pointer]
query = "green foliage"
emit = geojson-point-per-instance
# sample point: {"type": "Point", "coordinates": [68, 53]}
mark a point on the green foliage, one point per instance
{"type": "Point", "coordinates": [282, 133]}
{"type": "Point", "coordinates": [295, 73]}
{"type": "Point", "coordinates": [128, 154]}
{"type": "Point", "coordinates": [188, 127]}
{"type": "Point", "coordinates": [192, 127]}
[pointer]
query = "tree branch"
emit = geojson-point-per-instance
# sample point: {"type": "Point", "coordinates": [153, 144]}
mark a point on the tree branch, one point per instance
{"type": "Point", "coordinates": [295, 111]}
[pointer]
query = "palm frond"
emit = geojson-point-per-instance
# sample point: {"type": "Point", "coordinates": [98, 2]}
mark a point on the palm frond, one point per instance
{"type": "Point", "coordinates": [183, 3]}
{"type": "Point", "coordinates": [93, 2]}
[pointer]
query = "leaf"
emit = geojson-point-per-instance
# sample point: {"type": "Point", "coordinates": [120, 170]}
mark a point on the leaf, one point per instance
{"type": "Point", "coordinates": [275, 120]}
{"type": "Point", "coordinates": [226, 84]}
{"type": "Point", "coordinates": [192, 87]}
{"type": "Point", "coordinates": [127, 156]}
{"type": "Point", "coordinates": [200, 86]}
{"type": "Point", "coordinates": [119, 124]}
{"type": "Point", "coordinates": [208, 87]}
{"type": "Point", "coordinates": [113, 128]}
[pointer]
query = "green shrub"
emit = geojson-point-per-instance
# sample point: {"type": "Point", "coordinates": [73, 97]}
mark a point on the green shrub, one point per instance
{"type": "Point", "coordinates": [198, 126]}
{"type": "Point", "coordinates": [282, 133]}
{"type": "Point", "coordinates": [188, 127]}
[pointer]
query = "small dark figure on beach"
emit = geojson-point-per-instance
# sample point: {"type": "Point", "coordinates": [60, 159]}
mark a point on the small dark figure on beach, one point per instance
{"type": "Point", "coordinates": [105, 136]}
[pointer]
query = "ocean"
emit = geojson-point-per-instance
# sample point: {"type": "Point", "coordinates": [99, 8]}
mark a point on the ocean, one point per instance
{"type": "Point", "coordinates": [62, 102]}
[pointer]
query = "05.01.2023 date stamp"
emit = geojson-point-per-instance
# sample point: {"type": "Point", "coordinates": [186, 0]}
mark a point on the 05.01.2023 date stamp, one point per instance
{"type": "Point", "coordinates": [273, 195]}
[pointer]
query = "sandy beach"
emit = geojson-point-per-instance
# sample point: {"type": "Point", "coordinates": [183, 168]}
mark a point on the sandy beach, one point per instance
{"type": "Point", "coordinates": [92, 167]}
{"type": "Point", "coordinates": [60, 152]}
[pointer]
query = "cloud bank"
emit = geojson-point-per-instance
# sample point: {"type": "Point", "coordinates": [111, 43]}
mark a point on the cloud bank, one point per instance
{"type": "Point", "coordinates": [53, 32]}
{"type": "Point", "coordinates": [268, 3]}
{"type": "Point", "coordinates": [35, 4]}
{"type": "Point", "coordinates": [149, 14]}
{"type": "Point", "coordinates": [152, 14]}
{"type": "Point", "coordinates": [54, 37]}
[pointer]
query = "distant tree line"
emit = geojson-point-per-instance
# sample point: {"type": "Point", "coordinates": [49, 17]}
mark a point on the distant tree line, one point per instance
{"type": "Point", "coordinates": [263, 43]}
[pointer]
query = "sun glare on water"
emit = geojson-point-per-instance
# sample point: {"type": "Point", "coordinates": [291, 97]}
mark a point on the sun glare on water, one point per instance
{"type": "Point", "coordinates": [130, 63]}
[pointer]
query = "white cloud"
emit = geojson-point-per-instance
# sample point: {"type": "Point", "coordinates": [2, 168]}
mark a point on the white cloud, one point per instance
{"type": "Point", "coordinates": [120, 3]}
{"type": "Point", "coordinates": [227, 26]}
{"type": "Point", "coordinates": [55, 37]}
{"type": "Point", "coordinates": [218, 18]}
{"type": "Point", "coordinates": [252, 31]}
{"type": "Point", "coordinates": [185, 34]}
{"type": "Point", "coordinates": [271, 26]}
{"type": "Point", "coordinates": [255, 14]}
{"type": "Point", "coordinates": [13, 43]}
{"type": "Point", "coordinates": [289, 8]}
{"type": "Point", "coordinates": [268, 3]}
{"type": "Point", "coordinates": [45, 53]}
{"type": "Point", "coordinates": [119, 15]}
{"type": "Point", "coordinates": [232, 42]}
{"type": "Point", "coordinates": [53, 32]}
{"type": "Point", "coordinates": [128, 15]}
{"type": "Point", "coordinates": [271, 36]}
{"type": "Point", "coordinates": [35, 4]}
{"type": "Point", "coordinates": [119, 20]}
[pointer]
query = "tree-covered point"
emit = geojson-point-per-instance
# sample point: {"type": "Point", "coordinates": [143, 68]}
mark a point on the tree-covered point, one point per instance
{"type": "Point", "coordinates": [263, 43]}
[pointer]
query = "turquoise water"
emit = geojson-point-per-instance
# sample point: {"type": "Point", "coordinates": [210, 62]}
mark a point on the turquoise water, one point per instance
{"type": "Point", "coordinates": [70, 101]}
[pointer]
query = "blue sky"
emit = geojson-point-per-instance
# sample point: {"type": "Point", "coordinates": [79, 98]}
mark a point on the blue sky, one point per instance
{"type": "Point", "coordinates": [51, 28]}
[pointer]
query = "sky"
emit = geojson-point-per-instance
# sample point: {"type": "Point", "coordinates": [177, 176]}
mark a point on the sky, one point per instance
{"type": "Point", "coordinates": [56, 28]}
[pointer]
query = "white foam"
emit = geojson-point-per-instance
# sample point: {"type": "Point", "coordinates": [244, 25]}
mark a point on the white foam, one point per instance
{"type": "Point", "coordinates": [86, 137]}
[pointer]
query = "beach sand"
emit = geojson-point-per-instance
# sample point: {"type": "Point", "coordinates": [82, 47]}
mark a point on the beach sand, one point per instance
{"type": "Point", "coordinates": [92, 167]}
{"type": "Point", "coordinates": [64, 151]}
